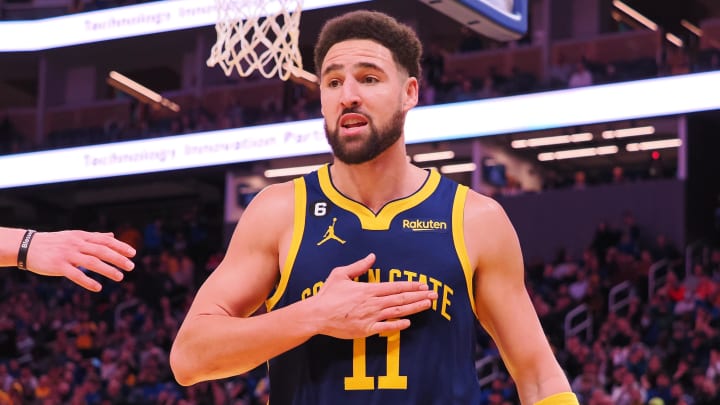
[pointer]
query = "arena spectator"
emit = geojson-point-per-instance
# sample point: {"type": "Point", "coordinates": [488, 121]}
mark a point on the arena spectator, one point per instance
{"type": "Point", "coordinates": [580, 77]}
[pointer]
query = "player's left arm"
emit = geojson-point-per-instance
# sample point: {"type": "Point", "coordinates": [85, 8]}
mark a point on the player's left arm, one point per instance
{"type": "Point", "coordinates": [504, 307]}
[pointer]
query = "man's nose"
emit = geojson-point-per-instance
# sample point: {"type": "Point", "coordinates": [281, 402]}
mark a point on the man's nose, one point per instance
{"type": "Point", "coordinates": [350, 97]}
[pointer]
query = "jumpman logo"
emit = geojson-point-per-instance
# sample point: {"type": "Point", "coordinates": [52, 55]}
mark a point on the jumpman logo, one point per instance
{"type": "Point", "coordinates": [330, 234]}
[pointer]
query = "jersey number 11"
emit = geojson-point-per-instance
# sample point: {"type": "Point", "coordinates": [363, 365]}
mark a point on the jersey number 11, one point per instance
{"type": "Point", "coordinates": [391, 381]}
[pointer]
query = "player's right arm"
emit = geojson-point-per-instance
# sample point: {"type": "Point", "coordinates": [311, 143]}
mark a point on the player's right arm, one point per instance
{"type": "Point", "coordinates": [219, 338]}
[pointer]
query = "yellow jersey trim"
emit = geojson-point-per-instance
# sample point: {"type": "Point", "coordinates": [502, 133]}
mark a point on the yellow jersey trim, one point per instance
{"type": "Point", "coordinates": [562, 398]}
{"type": "Point", "coordinates": [298, 228]}
{"type": "Point", "coordinates": [368, 219]}
{"type": "Point", "coordinates": [458, 231]}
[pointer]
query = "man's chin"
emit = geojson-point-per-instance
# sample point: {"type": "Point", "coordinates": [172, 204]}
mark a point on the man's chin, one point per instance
{"type": "Point", "coordinates": [352, 159]}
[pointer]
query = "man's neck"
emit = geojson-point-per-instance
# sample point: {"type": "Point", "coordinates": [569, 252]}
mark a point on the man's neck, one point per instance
{"type": "Point", "coordinates": [386, 178]}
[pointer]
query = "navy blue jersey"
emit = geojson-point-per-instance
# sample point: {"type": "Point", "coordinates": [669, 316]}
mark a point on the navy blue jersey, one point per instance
{"type": "Point", "coordinates": [417, 238]}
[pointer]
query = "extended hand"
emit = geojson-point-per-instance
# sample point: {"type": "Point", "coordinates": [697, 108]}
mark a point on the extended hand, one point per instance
{"type": "Point", "coordinates": [61, 253]}
{"type": "Point", "coordinates": [350, 309]}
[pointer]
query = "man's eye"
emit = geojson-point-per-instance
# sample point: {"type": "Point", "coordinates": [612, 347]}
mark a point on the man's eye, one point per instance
{"type": "Point", "coordinates": [333, 83]}
{"type": "Point", "coordinates": [370, 79]}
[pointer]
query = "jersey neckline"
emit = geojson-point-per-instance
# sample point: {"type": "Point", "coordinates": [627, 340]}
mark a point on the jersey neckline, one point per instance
{"type": "Point", "coordinates": [368, 219]}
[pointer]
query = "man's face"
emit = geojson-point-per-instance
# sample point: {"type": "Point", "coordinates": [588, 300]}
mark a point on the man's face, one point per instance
{"type": "Point", "coordinates": [365, 96]}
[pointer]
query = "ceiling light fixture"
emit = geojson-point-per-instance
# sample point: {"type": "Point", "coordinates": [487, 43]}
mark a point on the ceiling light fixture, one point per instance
{"type": "Point", "coordinates": [674, 39]}
{"type": "Point", "coordinates": [628, 132]}
{"type": "Point", "coordinates": [650, 145]}
{"type": "Point", "coordinates": [138, 91]}
{"type": "Point", "coordinates": [551, 140]}
{"type": "Point", "coordinates": [692, 27]}
{"type": "Point", "coordinates": [433, 156]}
{"type": "Point", "coordinates": [458, 168]}
{"type": "Point", "coordinates": [636, 15]}
{"type": "Point", "coordinates": [290, 171]}
{"type": "Point", "coordinates": [577, 153]}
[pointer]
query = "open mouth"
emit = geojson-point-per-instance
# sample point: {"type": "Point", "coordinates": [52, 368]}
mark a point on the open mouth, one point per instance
{"type": "Point", "coordinates": [353, 121]}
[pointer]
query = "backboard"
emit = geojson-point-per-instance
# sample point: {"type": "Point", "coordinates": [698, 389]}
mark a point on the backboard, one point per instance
{"type": "Point", "coordinates": [503, 20]}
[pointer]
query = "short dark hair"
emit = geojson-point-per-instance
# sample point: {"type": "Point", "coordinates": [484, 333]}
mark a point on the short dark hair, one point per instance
{"type": "Point", "coordinates": [399, 38]}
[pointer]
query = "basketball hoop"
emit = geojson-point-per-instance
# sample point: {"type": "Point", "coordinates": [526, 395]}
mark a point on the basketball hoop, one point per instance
{"type": "Point", "coordinates": [259, 35]}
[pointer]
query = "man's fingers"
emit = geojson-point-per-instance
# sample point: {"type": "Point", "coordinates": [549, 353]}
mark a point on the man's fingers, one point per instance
{"type": "Point", "coordinates": [109, 255]}
{"type": "Point", "coordinates": [78, 277]}
{"type": "Point", "coordinates": [109, 240]}
{"type": "Point", "coordinates": [404, 304]}
{"type": "Point", "coordinates": [397, 287]}
{"type": "Point", "coordinates": [100, 267]}
{"type": "Point", "coordinates": [405, 298]}
{"type": "Point", "coordinates": [392, 325]}
{"type": "Point", "coordinates": [391, 318]}
{"type": "Point", "coordinates": [357, 268]}
{"type": "Point", "coordinates": [411, 308]}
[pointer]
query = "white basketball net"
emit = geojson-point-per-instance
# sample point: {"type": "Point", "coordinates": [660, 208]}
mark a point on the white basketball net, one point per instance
{"type": "Point", "coordinates": [258, 35]}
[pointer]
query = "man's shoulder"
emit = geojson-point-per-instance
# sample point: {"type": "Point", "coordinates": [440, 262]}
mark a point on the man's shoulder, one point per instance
{"type": "Point", "coordinates": [483, 211]}
{"type": "Point", "coordinates": [274, 198]}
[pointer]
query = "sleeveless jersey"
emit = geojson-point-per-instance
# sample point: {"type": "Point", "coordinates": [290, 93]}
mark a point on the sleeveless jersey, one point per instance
{"type": "Point", "coordinates": [417, 238]}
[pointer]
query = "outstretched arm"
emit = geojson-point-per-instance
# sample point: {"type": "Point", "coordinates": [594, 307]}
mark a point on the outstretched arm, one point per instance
{"type": "Point", "coordinates": [61, 253]}
{"type": "Point", "coordinates": [504, 307]}
{"type": "Point", "coordinates": [219, 338]}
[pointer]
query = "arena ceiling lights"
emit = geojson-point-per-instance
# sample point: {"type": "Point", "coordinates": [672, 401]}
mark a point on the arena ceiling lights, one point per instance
{"type": "Point", "coordinates": [577, 153]}
{"type": "Point", "coordinates": [628, 132]}
{"type": "Point", "coordinates": [139, 92]}
{"type": "Point", "coordinates": [652, 145]}
{"type": "Point", "coordinates": [643, 20]}
{"type": "Point", "coordinates": [551, 140]}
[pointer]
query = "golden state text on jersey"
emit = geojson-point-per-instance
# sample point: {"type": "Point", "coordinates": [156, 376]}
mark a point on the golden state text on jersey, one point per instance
{"type": "Point", "coordinates": [417, 238]}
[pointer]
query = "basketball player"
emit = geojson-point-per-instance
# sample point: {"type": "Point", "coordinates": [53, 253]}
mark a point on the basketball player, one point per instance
{"type": "Point", "coordinates": [61, 253]}
{"type": "Point", "coordinates": [373, 270]}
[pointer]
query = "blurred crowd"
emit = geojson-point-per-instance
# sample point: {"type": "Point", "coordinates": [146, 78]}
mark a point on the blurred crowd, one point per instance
{"type": "Point", "coordinates": [661, 348]}
{"type": "Point", "coordinates": [62, 344]}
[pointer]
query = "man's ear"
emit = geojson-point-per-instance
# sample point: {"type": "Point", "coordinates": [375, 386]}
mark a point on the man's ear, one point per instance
{"type": "Point", "coordinates": [411, 93]}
